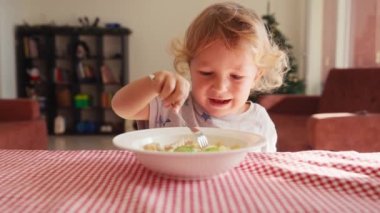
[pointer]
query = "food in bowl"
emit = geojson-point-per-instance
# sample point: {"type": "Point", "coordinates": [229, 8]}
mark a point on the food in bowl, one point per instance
{"type": "Point", "coordinates": [188, 145]}
{"type": "Point", "coordinates": [189, 165]}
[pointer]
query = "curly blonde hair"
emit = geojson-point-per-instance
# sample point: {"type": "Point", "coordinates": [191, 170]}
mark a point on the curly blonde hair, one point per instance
{"type": "Point", "coordinates": [232, 23]}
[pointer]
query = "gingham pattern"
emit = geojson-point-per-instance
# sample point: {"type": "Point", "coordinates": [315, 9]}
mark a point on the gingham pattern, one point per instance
{"type": "Point", "coordinates": [112, 181]}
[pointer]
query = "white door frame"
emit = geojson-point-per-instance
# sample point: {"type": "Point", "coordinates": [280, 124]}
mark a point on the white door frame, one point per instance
{"type": "Point", "coordinates": [314, 28]}
{"type": "Point", "coordinates": [343, 47]}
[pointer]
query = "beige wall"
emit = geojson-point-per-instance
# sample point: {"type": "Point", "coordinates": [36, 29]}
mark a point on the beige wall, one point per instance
{"type": "Point", "coordinates": [154, 23]}
{"type": "Point", "coordinates": [7, 51]}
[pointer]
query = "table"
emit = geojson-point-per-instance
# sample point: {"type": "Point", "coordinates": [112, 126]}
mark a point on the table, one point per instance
{"type": "Point", "coordinates": [113, 181]}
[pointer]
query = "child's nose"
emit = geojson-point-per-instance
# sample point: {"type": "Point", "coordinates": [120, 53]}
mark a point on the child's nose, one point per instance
{"type": "Point", "coordinates": [221, 84]}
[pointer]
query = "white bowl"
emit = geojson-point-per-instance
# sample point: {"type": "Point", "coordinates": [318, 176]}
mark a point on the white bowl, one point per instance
{"type": "Point", "coordinates": [182, 165]}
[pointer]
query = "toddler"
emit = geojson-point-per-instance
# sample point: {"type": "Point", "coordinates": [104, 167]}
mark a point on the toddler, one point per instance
{"type": "Point", "coordinates": [226, 55]}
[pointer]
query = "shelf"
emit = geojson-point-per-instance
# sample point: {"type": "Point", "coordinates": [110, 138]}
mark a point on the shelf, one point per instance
{"type": "Point", "coordinates": [68, 78]}
{"type": "Point", "coordinates": [63, 83]}
{"type": "Point", "coordinates": [70, 30]}
{"type": "Point", "coordinates": [88, 58]}
{"type": "Point", "coordinates": [89, 82]}
{"type": "Point", "coordinates": [112, 59]}
{"type": "Point", "coordinates": [112, 84]}
{"type": "Point", "coordinates": [36, 59]}
{"type": "Point", "coordinates": [63, 58]}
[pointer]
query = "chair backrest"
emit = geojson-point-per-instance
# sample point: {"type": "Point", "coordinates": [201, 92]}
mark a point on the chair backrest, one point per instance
{"type": "Point", "coordinates": [351, 90]}
{"type": "Point", "coordinates": [19, 109]}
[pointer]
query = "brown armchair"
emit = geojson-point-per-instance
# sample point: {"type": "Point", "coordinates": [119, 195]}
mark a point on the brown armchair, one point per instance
{"type": "Point", "coordinates": [345, 117]}
{"type": "Point", "coordinates": [21, 125]}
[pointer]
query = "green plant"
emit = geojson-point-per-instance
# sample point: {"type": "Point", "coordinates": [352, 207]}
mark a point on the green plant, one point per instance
{"type": "Point", "coordinates": [292, 83]}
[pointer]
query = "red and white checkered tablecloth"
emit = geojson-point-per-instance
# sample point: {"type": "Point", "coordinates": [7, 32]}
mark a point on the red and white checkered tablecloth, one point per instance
{"type": "Point", "coordinates": [112, 181]}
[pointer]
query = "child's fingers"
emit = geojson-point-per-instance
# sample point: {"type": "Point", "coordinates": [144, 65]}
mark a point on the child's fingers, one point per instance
{"type": "Point", "coordinates": [179, 95]}
{"type": "Point", "coordinates": [176, 107]}
{"type": "Point", "coordinates": [175, 100]}
{"type": "Point", "coordinates": [168, 87]}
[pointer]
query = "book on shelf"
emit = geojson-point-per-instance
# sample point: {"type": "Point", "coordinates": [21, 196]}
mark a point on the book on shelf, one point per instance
{"type": "Point", "coordinates": [85, 73]}
{"type": "Point", "coordinates": [106, 99]}
{"type": "Point", "coordinates": [61, 76]}
{"type": "Point", "coordinates": [26, 46]}
{"type": "Point", "coordinates": [31, 47]}
{"type": "Point", "coordinates": [63, 97]}
{"type": "Point", "coordinates": [107, 75]}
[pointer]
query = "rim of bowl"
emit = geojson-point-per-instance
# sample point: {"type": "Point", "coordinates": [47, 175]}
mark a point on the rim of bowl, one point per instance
{"type": "Point", "coordinates": [150, 132]}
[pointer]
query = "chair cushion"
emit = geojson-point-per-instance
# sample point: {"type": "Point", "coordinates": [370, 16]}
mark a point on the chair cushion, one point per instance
{"type": "Point", "coordinates": [344, 131]}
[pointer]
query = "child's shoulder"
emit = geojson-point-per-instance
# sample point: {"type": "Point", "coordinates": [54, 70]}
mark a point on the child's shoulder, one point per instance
{"type": "Point", "coordinates": [257, 109]}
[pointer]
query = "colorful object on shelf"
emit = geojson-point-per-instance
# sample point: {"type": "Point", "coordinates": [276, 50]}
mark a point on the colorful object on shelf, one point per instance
{"type": "Point", "coordinates": [113, 25]}
{"type": "Point", "coordinates": [85, 22]}
{"type": "Point", "coordinates": [82, 101]}
{"type": "Point", "coordinates": [59, 124]}
{"type": "Point", "coordinates": [31, 92]}
{"type": "Point", "coordinates": [31, 46]}
{"type": "Point", "coordinates": [86, 73]}
{"type": "Point", "coordinates": [86, 127]}
{"type": "Point", "coordinates": [61, 76]}
{"type": "Point", "coordinates": [106, 99]}
{"type": "Point", "coordinates": [82, 50]}
{"type": "Point", "coordinates": [34, 75]}
{"type": "Point", "coordinates": [108, 76]}
{"type": "Point", "coordinates": [42, 102]}
{"type": "Point", "coordinates": [106, 128]}
{"type": "Point", "coordinates": [63, 97]}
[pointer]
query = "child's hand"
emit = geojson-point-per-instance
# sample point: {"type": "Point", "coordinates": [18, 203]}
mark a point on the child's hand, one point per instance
{"type": "Point", "coordinates": [172, 88]}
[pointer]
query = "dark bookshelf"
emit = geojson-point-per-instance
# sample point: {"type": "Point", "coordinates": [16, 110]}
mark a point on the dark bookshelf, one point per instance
{"type": "Point", "coordinates": [73, 72]}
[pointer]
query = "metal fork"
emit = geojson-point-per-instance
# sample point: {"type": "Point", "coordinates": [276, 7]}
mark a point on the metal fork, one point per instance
{"type": "Point", "coordinates": [200, 137]}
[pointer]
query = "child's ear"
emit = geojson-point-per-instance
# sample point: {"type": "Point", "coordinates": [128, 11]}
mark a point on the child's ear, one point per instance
{"type": "Point", "coordinates": [259, 74]}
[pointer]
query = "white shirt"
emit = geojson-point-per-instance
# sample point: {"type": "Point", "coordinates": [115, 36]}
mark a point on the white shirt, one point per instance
{"type": "Point", "coordinates": [255, 120]}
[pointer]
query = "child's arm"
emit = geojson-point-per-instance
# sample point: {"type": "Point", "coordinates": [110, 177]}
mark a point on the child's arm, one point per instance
{"type": "Point", "coordinates": [132, 101]}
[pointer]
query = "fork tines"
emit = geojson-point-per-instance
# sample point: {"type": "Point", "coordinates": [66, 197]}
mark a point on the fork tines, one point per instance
{"type": "Point", "coordinates": [202, 140]}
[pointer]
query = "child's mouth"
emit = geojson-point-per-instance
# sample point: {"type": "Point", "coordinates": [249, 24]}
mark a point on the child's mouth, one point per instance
{"type": "Point", "coordinates": [219, 102]}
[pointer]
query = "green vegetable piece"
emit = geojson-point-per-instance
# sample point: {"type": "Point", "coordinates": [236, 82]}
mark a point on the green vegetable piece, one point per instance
{"type": "Point", "coordinates": [184, 149]}
{"type": "Point", "coordinates": [211, 149]}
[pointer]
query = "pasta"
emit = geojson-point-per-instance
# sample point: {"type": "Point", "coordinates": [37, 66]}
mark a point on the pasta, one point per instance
{"type": "Point", "coordinates": [187, 145]}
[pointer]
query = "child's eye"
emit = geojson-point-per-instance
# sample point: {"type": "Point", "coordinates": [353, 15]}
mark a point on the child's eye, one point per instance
{"type": "Point", "coordinates": [205, 73]}
{"type": "Point", "coordinates": [237, 77]}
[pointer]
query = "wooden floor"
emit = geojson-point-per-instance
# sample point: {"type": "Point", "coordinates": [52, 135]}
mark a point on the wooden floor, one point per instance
{"type": "Point", "coordinates": [85, 142]}
{"type": "Point", "coordinates": [81, 142]}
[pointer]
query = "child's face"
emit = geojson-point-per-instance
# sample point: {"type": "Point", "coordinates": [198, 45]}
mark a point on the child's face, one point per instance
{"type": "Point", "coordinates": [222, 78]}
